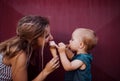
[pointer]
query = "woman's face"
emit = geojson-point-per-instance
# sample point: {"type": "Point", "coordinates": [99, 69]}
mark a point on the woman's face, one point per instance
{"type": "Point", "coordinates": [46, 38]}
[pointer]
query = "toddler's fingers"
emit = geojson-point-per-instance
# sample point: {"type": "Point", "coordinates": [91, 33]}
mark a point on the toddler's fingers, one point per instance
{"type": "Point", "coordinates": [53, 44]}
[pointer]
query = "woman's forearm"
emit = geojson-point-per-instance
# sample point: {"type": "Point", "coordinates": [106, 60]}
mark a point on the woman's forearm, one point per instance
{"type": "Point", "coordinates": [41, 76]}
{"type": "Point", "coordinates": [49, 68]}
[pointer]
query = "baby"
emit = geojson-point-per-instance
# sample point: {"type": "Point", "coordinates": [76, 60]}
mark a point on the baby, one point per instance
{"type": "Point", "coordinates": [78, 66]}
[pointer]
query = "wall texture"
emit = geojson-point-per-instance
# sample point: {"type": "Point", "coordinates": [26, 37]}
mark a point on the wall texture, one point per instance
{"type": "Point", "coordinates": [103, 16]}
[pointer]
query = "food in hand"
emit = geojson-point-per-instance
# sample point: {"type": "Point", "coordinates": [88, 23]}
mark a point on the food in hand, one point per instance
{"type": "Point", "coordinates": [53, 44]}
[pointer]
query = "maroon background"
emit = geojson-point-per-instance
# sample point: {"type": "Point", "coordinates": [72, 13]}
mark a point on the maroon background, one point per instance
{"type": "Point", "coordinates": [103, 16]}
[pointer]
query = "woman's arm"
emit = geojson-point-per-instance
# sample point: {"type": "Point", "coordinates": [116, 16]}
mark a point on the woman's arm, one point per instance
{"type": "Point", "coordinates": [53, 51]}
{"type": "Point", "coordinates": [53, 47]}
{"type": "Point", "coordinates": [19, 68]}
{"type": "Point", "coordinates": [49, 68]}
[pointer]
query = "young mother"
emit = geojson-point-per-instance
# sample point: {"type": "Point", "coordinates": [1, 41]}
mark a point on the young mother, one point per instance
{"type": "Point", "coordinates": [32, 32]}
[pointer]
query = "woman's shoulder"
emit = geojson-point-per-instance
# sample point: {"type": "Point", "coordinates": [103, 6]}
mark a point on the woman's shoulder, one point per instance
{"type": "Point", "coordinates": [20, 58]}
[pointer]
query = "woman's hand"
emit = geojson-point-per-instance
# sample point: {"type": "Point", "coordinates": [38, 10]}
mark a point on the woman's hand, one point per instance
{"type": "Point", "coordinates": [49, 68]}
{"type": "Point", "coordinates": [52, 65]}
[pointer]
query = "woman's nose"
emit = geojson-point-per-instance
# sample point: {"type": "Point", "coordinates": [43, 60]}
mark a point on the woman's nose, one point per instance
{"type": "Point", "coordinates": [51, 37]}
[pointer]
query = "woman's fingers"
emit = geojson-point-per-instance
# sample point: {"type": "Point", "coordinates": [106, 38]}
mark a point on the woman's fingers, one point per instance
{"type": "Point", "coordinates": [56, 65]}
{"type": "Point", "coordinates": [55, 59]}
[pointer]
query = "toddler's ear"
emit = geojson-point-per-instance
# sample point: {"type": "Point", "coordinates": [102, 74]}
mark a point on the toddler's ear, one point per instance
{"type": "Point", "coordinates": [82, 44]}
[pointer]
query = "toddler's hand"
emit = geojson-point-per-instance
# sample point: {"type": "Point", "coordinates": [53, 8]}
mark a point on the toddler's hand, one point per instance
{"type": "Point", "coordinates": [53, 44]}
{"type": "Point", "coordinates": [61, 47]}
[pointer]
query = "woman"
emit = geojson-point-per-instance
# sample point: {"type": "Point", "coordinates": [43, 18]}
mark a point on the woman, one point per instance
{"type": "Point", "coordinates": [15, 53]}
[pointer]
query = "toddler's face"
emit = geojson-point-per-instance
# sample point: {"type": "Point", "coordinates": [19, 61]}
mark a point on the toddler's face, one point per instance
{"type": "Point", "coordinates": [81, 38]}
{"type": "Point", "coordinates": [74, 43]}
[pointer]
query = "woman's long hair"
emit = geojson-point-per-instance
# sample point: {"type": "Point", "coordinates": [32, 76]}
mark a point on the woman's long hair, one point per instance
{"type": "Point", "coordinates": [28, 30]}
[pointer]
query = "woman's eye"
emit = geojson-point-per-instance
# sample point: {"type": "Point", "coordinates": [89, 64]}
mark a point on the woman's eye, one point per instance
{"type": "Point", "coordinates": [47, 36]}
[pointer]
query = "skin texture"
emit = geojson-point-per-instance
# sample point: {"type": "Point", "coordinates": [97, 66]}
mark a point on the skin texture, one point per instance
{"type": "Point", "coordinates": [53, 47]}
{"type": "Point", "coordinates": [68, 66]}
{"type": "Point", "coordinates": [19, 67]}
{"type": "Point", "coordinates": [77, 45]}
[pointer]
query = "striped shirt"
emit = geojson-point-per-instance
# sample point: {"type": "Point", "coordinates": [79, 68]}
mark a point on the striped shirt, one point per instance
{"type": "Point", "coordinates": [5, 71]}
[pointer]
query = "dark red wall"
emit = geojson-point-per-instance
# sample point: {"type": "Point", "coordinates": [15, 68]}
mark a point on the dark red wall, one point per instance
{"type": "Point", "coordinates": [103, 16]}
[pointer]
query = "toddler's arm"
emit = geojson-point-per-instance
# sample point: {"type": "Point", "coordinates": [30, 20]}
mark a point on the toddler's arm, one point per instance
{"type": "Point", "coordinates": [69, 53]}
{"type": "Point", "coordinates": [67, 65]}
